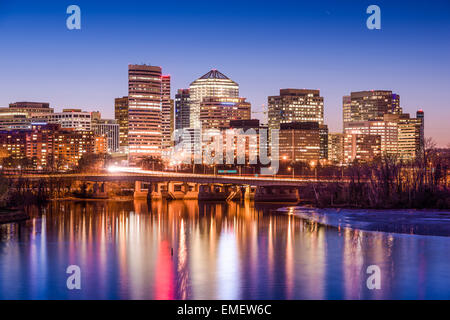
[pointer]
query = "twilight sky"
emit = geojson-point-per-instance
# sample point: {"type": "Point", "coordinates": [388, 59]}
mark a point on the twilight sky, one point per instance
{"type": "Point", "coordinates": [262, 45]}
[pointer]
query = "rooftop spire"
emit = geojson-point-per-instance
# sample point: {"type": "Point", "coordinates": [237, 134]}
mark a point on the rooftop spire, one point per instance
{"type": "Point", "coordinates": [214, 74]}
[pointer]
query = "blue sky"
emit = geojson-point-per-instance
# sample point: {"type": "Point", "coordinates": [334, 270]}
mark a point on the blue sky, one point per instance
{"type": "Point", "coordinates": [262, 45]}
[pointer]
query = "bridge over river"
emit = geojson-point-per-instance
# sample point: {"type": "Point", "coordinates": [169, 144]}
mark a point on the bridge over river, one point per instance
{"type": "Point", "coordinates": [172, 185]}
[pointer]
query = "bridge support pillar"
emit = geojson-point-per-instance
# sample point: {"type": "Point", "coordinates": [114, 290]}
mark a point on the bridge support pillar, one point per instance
{"type": "Point", "coordinates": [140, 193]}
{"type": "Point", "coordinates": [277, 194]}
{"type": "Point", "coordinates": [99, 191]}
{"type": "Point", "coordinates": [249, 193]}
{"type": "Point", "coordinates": [211, 192]}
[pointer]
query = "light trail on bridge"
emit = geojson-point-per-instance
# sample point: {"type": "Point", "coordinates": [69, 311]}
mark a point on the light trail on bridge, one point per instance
{"type": "Point", "coordinates": [131, 174]}
{"type": "Point", "coordinates": [117, 169]}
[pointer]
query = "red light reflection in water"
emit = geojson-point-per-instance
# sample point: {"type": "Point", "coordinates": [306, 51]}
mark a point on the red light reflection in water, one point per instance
{"type": "Point", "coordinates": [164, 280]}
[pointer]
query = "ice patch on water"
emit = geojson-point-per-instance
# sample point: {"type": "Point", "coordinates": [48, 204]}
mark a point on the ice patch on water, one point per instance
{"type": "Point", "coordinates": [419, 222]}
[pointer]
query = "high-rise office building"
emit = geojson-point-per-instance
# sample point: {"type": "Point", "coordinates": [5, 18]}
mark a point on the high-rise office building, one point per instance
{"type": "Point", "coordinates": [172, 120]}
{"type": "Point", "coordinates": [245, 142]}
{"type": "Point", "coordinates": [420, 115]}
{"type": "Point", "coordinates": [370, 105]}
{"type": "Point", "coordinates": [182, 109]}
{"type": "Point", "coordinates": [361, 147]}
{"type": "Point", "coordinates": [387, 129]}
{"type": "Point", "coordinates": [110, 129]}
{"type": "Point", "coordinates": [166, 112]}
{"type": "Point", "coordinates": [121, 116]}
{"type": "Point", "coordinates": [212, 84]}
{"type": "Point", "coordinates": [336, 148]}
{"type": "Point", "coordinates": [411, 136]}
{"type": "Point", "coordinates": [401, 136]}
{"type": "Point", "coordinates": [299, 142]}
{"type": "Point", "coordinates": [217, 112]}
{"type": "Point", "coordinates": [144, 111]}
{"type": "Point", "coordinates": [347, 109]}
{"type": "Point", "coordinates": [295, 105]}
{"type": "Point", "coordinates": [323, 133]}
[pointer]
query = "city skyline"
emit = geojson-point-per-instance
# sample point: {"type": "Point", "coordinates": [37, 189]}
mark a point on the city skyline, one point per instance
{"type": "Point", "coordinates": [264, 118]}
{"type": "Point", "coordinates": [85, 68]}
{"type": "Point", "coordinates": [221, 152]}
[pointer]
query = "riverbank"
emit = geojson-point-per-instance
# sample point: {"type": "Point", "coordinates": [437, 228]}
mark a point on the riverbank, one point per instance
{"type": "Point", "coordinates": [11, 216]}
{"type": "Point", "coordinates": [119, 199]}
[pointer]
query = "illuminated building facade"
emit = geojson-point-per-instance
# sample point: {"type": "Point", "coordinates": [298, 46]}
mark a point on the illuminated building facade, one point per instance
{"type": "Point", "coordinates": [167, 113]}
{"type": "Point", "coordinates": [13, 144]}
{"type": "Point", "coordinates": [70, 145]}
{"type": "Point", "coordinates": [31, 108]}
{"type": "Point", "coordinates": [182, 109]}
{"type": "Point", "coordinates": [144, 111]}
{"type": "Point", "coordinates": [387, 130]}
{"type": "Point", "coordinates": [401, 136]}
{"type": "Point", "coordinates": [323, 133]}
{"type": "Point", "coordinates": [46, 145]}
{"type": "Point", "coordinates": [121, 116]}
{"type": "Point", "coordinates": [110, 129]}
{"type": "Point", "coordinates": [20, 115]}
{"type": "Point", "coordinates": [336, 148]}
{"type": "Point", "coordinates": [299, 142]}
{"type": "Point", "coordinates": [411, 136]}
{"type": "Point", "coordinates": [295, 105]}
{"type": "Point", "coordinates": [13, 121]}
{"type": "Point", "coordinates": [35, 143]}
{"type": "Point", "coordinates": [39, 144]}
{"type": "Point", "coordinates": [361, 147]}
{"type": "Point", "coordinates": [217, 112]}
{"type": "Point", "coordinates": [347, 109]}
{"type": "Point", "coordinates": [212, 84]}
{"type": "Point", "coordinates": [378, 113]}
{"type": "Point", "coordinates": [69, 119]}
{"type": "Point", "coordinates": [370, 105]}
{"type": "Point", "coordinates": [245, 142]}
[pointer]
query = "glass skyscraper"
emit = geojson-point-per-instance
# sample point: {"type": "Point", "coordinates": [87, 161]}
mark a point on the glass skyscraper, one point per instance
{"type": "Point", "coordinates": [212, 84]}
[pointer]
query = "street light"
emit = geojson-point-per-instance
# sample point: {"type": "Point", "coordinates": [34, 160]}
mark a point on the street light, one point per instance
{"type": "Point", "coordinates": [284, 159]}
{"type": "Point", "coordinates": [293, 171]}
{"type": "Point", "coordinates": [272, 172]}
{"type": "Point", "coordinates": [313, 166]}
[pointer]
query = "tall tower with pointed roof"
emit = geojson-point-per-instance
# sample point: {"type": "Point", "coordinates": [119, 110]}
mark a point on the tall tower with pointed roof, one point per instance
{"type": "Point", "coordinates": [212, 84]}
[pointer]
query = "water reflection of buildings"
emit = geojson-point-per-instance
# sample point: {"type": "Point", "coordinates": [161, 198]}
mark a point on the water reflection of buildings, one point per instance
{"type": "Point", "coordinates": [187, 250]}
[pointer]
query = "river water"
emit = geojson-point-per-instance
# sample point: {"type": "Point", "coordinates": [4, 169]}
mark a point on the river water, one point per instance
{"type": "Point", "coordinates": [186, 250]}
